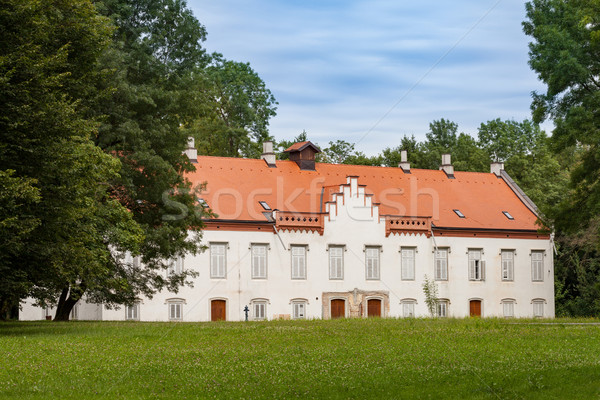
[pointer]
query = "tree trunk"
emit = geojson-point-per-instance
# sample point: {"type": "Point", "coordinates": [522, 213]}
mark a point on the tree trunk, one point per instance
{"type": "Point", "coordinates": [66, 304]}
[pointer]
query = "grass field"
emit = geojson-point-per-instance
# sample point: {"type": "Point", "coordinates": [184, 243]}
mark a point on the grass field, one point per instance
{"type": "Point", "coordinates": [385, 358]}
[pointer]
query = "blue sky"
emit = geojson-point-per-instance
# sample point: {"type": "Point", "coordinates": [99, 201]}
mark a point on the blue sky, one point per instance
{"type": "Point", "coordinates": [370, 72]}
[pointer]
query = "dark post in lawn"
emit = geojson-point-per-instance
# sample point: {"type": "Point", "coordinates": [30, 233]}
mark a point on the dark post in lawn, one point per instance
{"type": "Point", "coordinates": [246, 309]}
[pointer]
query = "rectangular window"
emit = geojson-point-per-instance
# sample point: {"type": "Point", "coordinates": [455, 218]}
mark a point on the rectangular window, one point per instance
{"type": "Point", "coordinates": [408, 264]}
{"type": "Point", "coordinates": [441, 310]}
{"type": "Point", "coordinates": [175, 311]}
{"type": "Point", "coordinates": [218, 260]}
{"type": "Point", "coordinates": [538, 308]}
{"type": "Point", "coordinates": [176, 265]}
{"type": "Point", "coordinates": [259, 261]}
{"type": "Point", "coordinates": [299, 310]}
{"type": "Point", "coordinates": [372, 262]}
{"type": "Point", "coordinates": [508, 262]}
{"type": "Point", "coordinates": [75, 312]}
{"type": "Point", "coordinates": [537, 266]}
{"type": "Point", "coordinates": [408, 309]}
{"type": "Point", "coordinates": [260, 310]}
{"type": "Point", "coordinates": [336, 262]}
{"type": "Point", "coordinates": [441, 265]}
{"type": "Point", "coordinates": [476, 266]}
{"type": "Point", "coordinates": [508, 307]}
{"type": "Point", "coordinates": [298, 262]}
{"type": "Point", "coordinates": [132, 312]}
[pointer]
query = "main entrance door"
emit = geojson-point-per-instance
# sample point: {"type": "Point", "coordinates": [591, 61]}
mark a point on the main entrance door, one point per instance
{"type": "Point", "coordinates": [475, 308]}
{"type": "Point", "coordinates": [217, 310]}
{"type": "Point", "coordinates": [374, 308]}
{"type": "Point", "coordinates": [338, 308]}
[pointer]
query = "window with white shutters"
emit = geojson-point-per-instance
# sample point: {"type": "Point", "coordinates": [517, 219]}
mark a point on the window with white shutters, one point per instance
{"type": "Point", "coordinates": [259, 261]}
{"type": "Point", "coordinates": [408, 264]}
{"type": "Point", "coordinates": [476, 266]}
{"type": "Point", "coordinates": [336, 262]}
{"type": "Point", "coordinates": [299, 309]}
{"type": "Point", "coordinates": [538, 308]}
{"type": "Point", "coordinates": [260, 310]}
{"type": "Point", "coordinates": [176, 265]}
{"type": "Point", "coordinates": [175, 310]}
{"type": "Point", "coordinates": [132, 312]}
{"type": "Point", "coordinates": [408, 308]}
{"type": "Point", "coordinates": [372, 262]}
{"type": "Point", "coordinates": [218, 260]}
{"type": "Point", "coordinates": [537, 266]}
{"type": "Point", "coordinates": [441, 265]}
{"type": "Point", "coordinates": [442, 308]}
{"type": "Point", "coordinates": [298, 262]}
{"type": "Point", "coordinates": [508, 308]}
{"type": "Point", "coordinates": [508, 262]}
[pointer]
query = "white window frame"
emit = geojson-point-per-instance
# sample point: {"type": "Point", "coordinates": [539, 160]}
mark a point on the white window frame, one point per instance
{"type": "Point", "coordinates": [336, 261]}
{"type": "Point", "coordinates": [175, 309]}
{"type": "Point", "coordinates": [259, 310]}
{"type": "Point", "coordinates": [538, 308]}
{"type": "Point", "coordinates": [408, 257]}
{"type": "Point", "coordinates": [175, 265]}
{"type": "Point", "coordinates": [372, 262]}
{"type": "Point", "coordinates": [507, 269]}
{"type": "Point", "coordinates": [218, 260]}
{"type": "Point", "coordinates": [408, 308]}
{"type": "Point", "coordinates": [298, 264]}
{"type": "Point", "coordinates": [508, 308]}
{"type": "Point", "coordinates": [476, 265]}
{"type": "Point", "coordinates": [537, 265]}
{"type": "Point", "coordinates": [259, 256]}
{"type": "Point", "coordinates": [441, 308]}
{"type": "Point", "coordinates": [132, 312]}
{"type": "Point", "coordinates": [299, 309]}
{"type": "Point", "coordinates": [75, 312]}
{"type": "Point", "coordinates": [440, 263]}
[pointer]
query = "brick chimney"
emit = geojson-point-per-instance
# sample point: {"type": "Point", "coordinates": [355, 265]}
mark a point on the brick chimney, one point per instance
{"type": "Point", "coordinates": [303, 154]}
{"type": "Point", "coordinates": [496, 168]}
{"type": "Point", "coordinates": [268, 154]}
{"type": "Point", "coordinates": [191, 151]}
{"type": "Point", "coordinates": [447, 166]}
{"type": "Point", "coordinates": [404, 164]}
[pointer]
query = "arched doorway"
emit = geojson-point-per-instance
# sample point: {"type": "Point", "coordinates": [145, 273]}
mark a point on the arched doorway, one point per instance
{"type": "Point", "coordinates": [374, 308]}
{"type": "Point", "coordinates": [338, 308]}
{"type": "Point", "coordinates": [218, 310]}
{"type": "Point", "coordinates": [475, 308]}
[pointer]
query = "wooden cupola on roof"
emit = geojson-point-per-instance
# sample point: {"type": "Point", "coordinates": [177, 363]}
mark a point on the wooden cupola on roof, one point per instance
{"type": "Point", "coordinates": [303, 154]}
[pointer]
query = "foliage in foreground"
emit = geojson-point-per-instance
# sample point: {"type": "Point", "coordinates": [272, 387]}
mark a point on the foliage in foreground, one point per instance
{"type": "Point", "coordinates": [374, 358]}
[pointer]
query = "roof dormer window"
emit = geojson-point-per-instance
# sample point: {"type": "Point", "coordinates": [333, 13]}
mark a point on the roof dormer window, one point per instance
{"type": "Point", "coordinates": [507, 215]}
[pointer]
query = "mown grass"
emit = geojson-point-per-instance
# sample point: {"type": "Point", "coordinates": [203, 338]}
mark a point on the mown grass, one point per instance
{"type": "Point", "coordinates": [375, 358]}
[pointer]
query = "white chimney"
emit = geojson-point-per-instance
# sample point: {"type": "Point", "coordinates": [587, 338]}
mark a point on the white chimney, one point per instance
{"type": "Point", "coordinates": [447, 166]}
{"type": "Point", "coordinates": [404, 164]}
{"type": "Point", "coordinates": [268, 154]}
{"type": "Point", "coordinates": [496, 168]}
{"type": "Point", "coordinates": [191, 151]}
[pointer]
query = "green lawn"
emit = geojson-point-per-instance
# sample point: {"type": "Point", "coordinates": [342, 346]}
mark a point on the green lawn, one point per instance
{"type": "Point", "coordinates": [385, 358]}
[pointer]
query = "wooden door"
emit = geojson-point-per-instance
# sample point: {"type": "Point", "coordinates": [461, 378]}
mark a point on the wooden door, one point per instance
{"type": "Point", "coordinates": [475, 308]}
{"type": "Point", "coordinates": [338, 308]}
{"type": "Point", "coordinates": [217, 310]}
{"type": "Point", "coordinates": [374, 308]}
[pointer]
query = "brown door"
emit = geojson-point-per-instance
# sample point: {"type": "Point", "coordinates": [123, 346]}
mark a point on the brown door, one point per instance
{"type": "Point", "coordinates": [338, 308]}
{"type": "Point", "coordinates": [217, 310]}
{"type": "Point", "coordinates": [475, 308]}
{"type": "Point", "coordinates": [374, 308]}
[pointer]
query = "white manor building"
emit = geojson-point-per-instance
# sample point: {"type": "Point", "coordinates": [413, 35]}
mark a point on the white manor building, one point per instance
{"type": "Point", "coordinates": [298, 239]}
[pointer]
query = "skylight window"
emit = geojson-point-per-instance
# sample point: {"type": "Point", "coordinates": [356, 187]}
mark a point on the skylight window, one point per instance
{"type": "Point", "coordinates": [265, 205]}
{"type": "Point", "coordinates": [461, 215]}
{"type": "Point", "coordinates": [202, 202]}
{"type": "Point", "coordinates": [507, 215]}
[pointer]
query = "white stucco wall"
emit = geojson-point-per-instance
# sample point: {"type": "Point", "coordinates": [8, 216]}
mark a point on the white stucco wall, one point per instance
{"type": "Point", "coordinates": [354, 223]}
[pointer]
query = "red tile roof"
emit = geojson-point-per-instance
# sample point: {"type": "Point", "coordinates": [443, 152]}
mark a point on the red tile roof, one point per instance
{"type": "Point", "coordinates": [236, 185]}
{"type": "Point", "coordinates": [301, 145]}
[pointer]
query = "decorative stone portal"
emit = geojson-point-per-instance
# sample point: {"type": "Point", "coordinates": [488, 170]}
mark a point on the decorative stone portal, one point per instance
{"type": "Point", "coordinates": [356, 303]}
